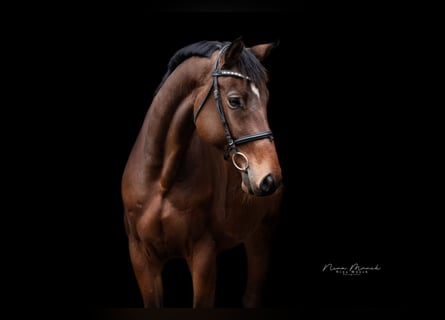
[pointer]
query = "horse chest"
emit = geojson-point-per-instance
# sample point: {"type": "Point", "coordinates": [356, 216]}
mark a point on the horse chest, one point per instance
{"type": "Point", "coordinates": [238, 220]}
{"type": "Point", "coordinates": [168, 224]}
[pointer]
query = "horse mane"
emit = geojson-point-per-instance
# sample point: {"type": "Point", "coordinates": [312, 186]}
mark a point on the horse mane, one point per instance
{"type": "Point", "coordinates": [249, 64]}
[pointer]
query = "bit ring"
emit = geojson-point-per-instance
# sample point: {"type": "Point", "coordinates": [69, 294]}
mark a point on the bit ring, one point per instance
{"type": "Point", "coordinates": [235, 163]}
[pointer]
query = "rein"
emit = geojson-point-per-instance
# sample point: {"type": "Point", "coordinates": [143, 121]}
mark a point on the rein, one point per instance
{"type": "Point", "coordinates": [231, 142]}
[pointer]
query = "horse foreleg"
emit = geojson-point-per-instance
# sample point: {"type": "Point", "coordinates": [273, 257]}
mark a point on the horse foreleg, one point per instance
{"type": "Point", "coordinates": [202, 264]}
{"type": "Point", "coordinates": [148, 274]}
{"type": "Point", "coordinates": [258, 253]}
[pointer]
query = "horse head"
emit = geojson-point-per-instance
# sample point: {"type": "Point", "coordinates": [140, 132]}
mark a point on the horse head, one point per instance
{"type": "Point", "coordinates": [230, 113]}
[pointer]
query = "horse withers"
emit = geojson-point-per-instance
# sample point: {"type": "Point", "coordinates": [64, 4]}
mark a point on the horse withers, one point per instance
{"type": "Point", "coordinates": [203, 175]}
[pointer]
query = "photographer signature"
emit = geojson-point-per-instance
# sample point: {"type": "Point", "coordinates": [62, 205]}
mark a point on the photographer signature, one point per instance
{"type": "Point", "coordinates": [352, 270]}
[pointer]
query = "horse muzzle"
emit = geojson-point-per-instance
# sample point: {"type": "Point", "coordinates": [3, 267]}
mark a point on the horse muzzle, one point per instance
{"type": "Point", "coordinates": [266, 186]}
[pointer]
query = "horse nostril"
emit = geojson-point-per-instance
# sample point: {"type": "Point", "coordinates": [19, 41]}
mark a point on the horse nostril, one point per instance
{"type": "Point", "coordinates": [267, 186]}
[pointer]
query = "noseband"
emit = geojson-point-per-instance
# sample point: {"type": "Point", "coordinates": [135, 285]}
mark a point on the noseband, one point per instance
{"type": "Point", "coordinates": [232, 142]}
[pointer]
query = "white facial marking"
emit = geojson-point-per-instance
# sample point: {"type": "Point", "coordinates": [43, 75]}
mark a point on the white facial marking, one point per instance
{"type": "Point", "coordinates": [255, 90]}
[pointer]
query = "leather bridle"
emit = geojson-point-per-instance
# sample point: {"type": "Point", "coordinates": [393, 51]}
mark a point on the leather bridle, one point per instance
{"type": "Point", "coordinates": [232, 142]}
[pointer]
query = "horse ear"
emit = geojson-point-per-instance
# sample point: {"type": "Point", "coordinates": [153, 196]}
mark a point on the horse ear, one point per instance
{"type": "Point", "coordinates": [262, 51]}
{"type": "Point", "coordinates": [233, 53]}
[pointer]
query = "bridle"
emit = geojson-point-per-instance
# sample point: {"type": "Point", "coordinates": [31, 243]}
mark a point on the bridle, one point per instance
{"type": "Point", "coordinates": [232, 142]}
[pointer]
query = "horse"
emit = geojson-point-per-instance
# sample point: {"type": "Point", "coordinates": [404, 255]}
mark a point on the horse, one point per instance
{"type": "Point", "coordinates": [203, 175]}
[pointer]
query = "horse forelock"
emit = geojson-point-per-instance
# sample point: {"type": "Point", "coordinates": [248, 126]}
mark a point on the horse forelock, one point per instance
{"type": "Point", "coordinates": [250, 66]}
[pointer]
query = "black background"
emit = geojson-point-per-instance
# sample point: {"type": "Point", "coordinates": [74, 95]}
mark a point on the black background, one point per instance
{"type": "Point", "coordinates": [340, 130]}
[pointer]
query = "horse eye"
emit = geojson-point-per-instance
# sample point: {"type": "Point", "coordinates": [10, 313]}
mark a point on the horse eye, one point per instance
{"type": "Point", "coordinates": [235, 102]}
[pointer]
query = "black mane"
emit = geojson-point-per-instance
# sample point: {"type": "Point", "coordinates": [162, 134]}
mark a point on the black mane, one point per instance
{"type": "Point", "coordinates": [249, 65]}
{"type": "Point", "coordinates": [200, 49]}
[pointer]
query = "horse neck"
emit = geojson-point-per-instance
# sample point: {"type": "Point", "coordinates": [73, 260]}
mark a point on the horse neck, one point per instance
{"type": "Point", "coordinates": [169, 123]}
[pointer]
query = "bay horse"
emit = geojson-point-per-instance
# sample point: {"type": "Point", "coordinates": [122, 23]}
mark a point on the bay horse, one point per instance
{"type": "Point", "coordinates": [203, 174]}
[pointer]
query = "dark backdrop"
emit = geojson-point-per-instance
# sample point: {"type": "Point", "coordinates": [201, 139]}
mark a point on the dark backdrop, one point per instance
{"type": "Point", "coordinates": [340, 134]}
